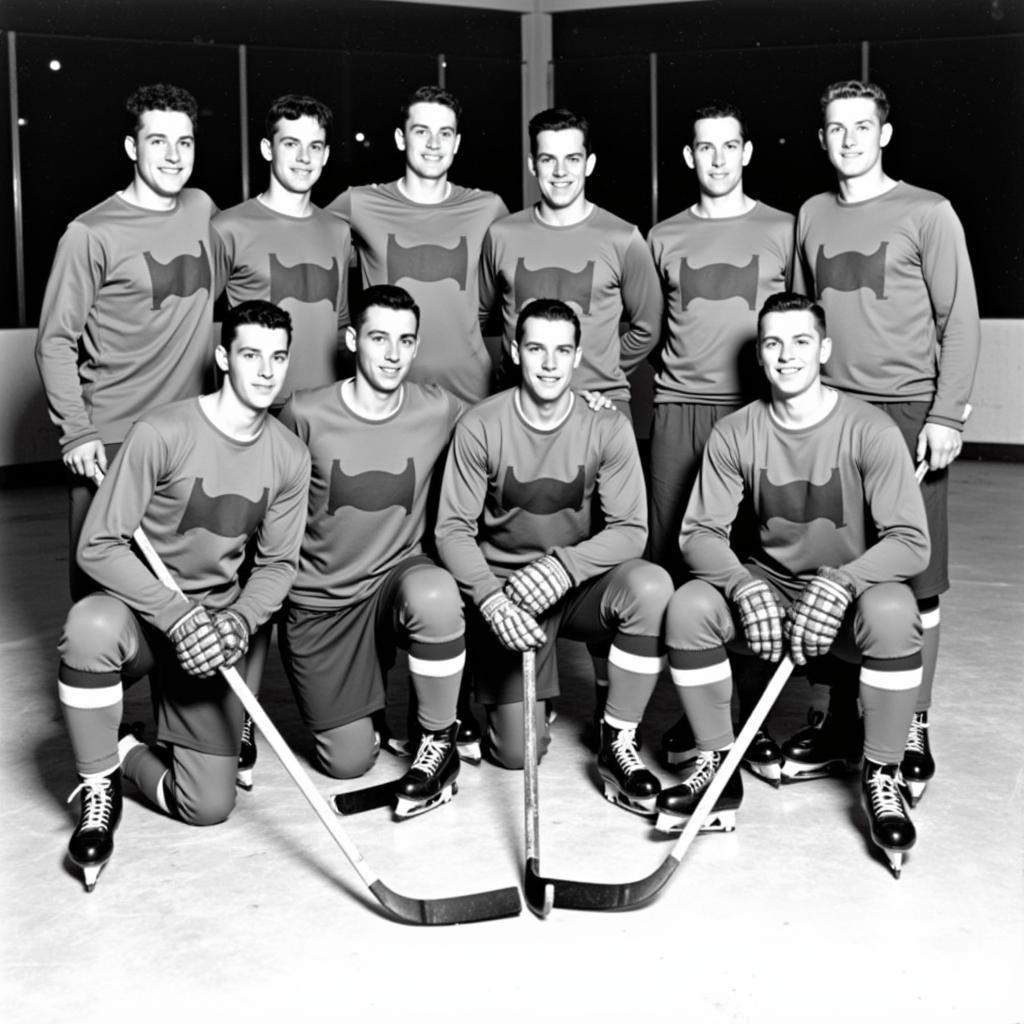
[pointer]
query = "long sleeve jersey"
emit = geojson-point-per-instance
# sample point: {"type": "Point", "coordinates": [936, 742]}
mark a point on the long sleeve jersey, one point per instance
{"type": "Point", "coordinates": [513, 492]}
{"type": "Point", "coordinates": [894, 278]}
{"type": "Point", "coordinates": [715, 276]}
{"type": "Point", "coordinates": [369, 489]}
{"type": "Point", "coordinates": [840, 493]}
{"type": "Point", "coordinates": [199, 496]}
{"type": "Point", "coordinates": [600, 266]}
{"type": "Point", "coordinates": [127, 316]}
{"type": "Point", "coordinates": [298, 263]}
{"type": "Point", "coordinates": [433, 251]}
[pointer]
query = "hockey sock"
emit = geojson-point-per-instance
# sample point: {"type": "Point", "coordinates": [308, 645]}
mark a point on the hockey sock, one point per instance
{"type": "Point", "coordinates": [703, 681]}
{"type": "Point", "coordinates": [888, 693]}
{"type": "Point", "coordinates": [92, 703]}
{"type": "Point", "coordinates": [929, 609]}
{"type": "Point", "coordinates": [147, 771]}
{"type": "Point", "coordinates": [436, 671]}
{"type": "Point", "coordinates": [750, 677]}
{"type": "Point", "coordinates": [633, 666]}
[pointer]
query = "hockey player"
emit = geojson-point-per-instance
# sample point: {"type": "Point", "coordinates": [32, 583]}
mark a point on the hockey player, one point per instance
{"type": "Point", "coordinates": [364, 583]}
{"type": "Point", "coordinates": [127, 314]}
{"type": "Point", "coordinates": [201, 477]}
{"type": "Point", "coordinates": [424, 233]}
{"type": "Point", "coordinates": [530, 474]}
{"type": "Point", "coordinates": [889, 264]}
{"type": "Point", "coordinates": [718, 260]}
{"type": "Point", "coordinates": [841, 523]}
{"type": "Point", "coordinates": [281, 247]}
{"type": "Point", "coordinates": [567, 248]}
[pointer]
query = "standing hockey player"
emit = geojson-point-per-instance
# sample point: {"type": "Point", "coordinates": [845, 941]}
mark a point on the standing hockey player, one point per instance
{"type": "Point", "coordinates": [529, 472]}
{"type": "Point", "coordinates": [364, 583]}
{"type": "Point", "coordinates": [201, 477]}
{"type": "Point", "coordinates": [841, 523]}
{"type": "Point", "coordinates": [424, 233]}
{"type": "Point", "coordinates": [718, 261]}
{"type": "Point", "coordinates": [889, 264]}
{"type": "Point", "coordinates": [282, 248]}
{"type": "Point", "coordinates": [567, 248]}
{"type": "Point", "coordinates": [127, 315]}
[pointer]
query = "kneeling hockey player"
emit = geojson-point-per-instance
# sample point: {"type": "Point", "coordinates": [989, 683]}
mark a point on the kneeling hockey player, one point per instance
{"type": "Point", "coordinates": [530, 475]}
{"type": "Point", "coordinates": [841, 523]}
{"type": "Point", "coordinates": [364, 583]}
{"type": "Point", "coordinates": [200, 477]}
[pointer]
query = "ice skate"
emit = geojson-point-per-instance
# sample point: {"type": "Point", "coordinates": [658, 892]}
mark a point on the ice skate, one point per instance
{"type": "Point", "coordinates": [678, 747]}
{"type": "Point", "coordinates": [918, 765]}
{"type": "Point", "coordinates": [675, 805]}
{"type": "Point", "coordinates": [627, 782]}
{"type": "Point", "coordinates": [246, 756]}
{"type": "Point", "coordinates": [892, 831]}
{"type": "Point", "coordinates": [92, 843]}
{"type": "Point", "coordinates": [764, 758]}
{"type": "Point", "coordinates": [468, 739]}
{"type": "Point", "coordinates": [826, 746]}
{"type": "Point", "coordinates": [430, 781]}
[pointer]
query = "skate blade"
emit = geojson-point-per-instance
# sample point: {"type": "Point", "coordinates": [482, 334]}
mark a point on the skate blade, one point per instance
{"type": "Point", "coordinates": [895, 862]}
{"type": "Point", "coordinates": [243, 779]}
{"type": "Point", "coordinates": [771, 773]}
{"type": "Point", "coordinates": [90, 874]}
{"type": "Point", "coordinates": [469, 752]}
{"type": "Point", "coordinates": [717, 821]}
{"type": "Point", "coordinates": [793, 771]}
{"type": "Point", "coordinates": [913, 790]}
{"type": "Point", "coordinates": [406, 808]}
{"type": "Point", "coordinates": [638, 805]}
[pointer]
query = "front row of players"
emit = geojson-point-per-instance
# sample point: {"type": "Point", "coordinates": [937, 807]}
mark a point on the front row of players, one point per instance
{"type": "Point", "coordinates": [540, 526]}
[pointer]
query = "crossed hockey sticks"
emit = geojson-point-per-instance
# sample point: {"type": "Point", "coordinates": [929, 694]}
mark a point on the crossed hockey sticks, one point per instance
{"type": "Point", "coordinates": [480, 906]}
{"type": "Point", "coordinates": [544, 893]}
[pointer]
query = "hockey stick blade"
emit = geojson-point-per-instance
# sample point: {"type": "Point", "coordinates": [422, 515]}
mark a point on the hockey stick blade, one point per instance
{"type": "Point", "coordinates": [481, 906]}
{"type": "Point", "coordinates": [575, 895]}
{"type": "Point", "coordinates": [368, 799]}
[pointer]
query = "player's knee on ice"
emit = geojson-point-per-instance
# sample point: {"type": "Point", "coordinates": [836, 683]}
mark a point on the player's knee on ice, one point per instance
{"type": "Point", "coordinates": [203, 791]}
{"type": "Point", "coordinates": [348, 751]}
{"type": "Point", "coordinates": [506, 736]}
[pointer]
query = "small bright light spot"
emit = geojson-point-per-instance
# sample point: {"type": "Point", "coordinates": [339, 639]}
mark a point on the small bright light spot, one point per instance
{"type": "Point", "coordinates": [360, 137]}
{"type": "Point", "coordinates": [22, 122]}
{"type": "Point", "coordinates": [55, 65]}
{"type": "Point", "coordinates": [782, 142]}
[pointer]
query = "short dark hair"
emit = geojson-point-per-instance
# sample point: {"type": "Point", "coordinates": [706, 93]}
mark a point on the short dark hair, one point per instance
{"type": "Point", "coordinates": [254, 311]}
{"type": "Point", "coordinates": [558, 119]}
{"type": "Point", "coordinates": [430, 94]}
{"type": "Point", "coordinates": [554, 310]}
{"type": "Point", "coordinates": [717, 109]}
{"type": "Point", "coordinates": [291, 107]}
{"type": "Point", "coordinates": [387, 296]}
{"type": "Point", "coordinates": [855, 89]}
{"type": "Point", "coordinates": [792, 302]}
{"type": "Point", "coordinates": [158, 97]}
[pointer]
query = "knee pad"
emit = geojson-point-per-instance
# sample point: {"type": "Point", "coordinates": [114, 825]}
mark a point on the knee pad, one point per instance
{"type": "Point", "coordinates": [97, 633]}
{"type": "Point", "coordinates": [698, 618]}
{"type": "Point", "coordinates": [431, 606]}
{"type": "Point", "coordinates": [650, 588]}
{"type": "Point", "coordinates": [348, 751]}
{"type": "Point", "coordinates": [887, 623]}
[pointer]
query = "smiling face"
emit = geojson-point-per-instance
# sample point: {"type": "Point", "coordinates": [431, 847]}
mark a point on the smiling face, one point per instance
{"type": "Point", "coordinates": [297, 153]}
{"type": "Point", "coordinates": [792, 351]}
{"type": "Point", "coordinates": [163, 151]}
{"type": "Point", "coordinates": [854, 137]}
{"type": "Point", "coordinates": [718, 155]}
{"type": "Point", "coordinates": [561, 166]}
{"type": "Point", "coordinates": [384, 347]}
{"type": "Point", "coordinates": [429, 140]}
{"type": "Point", "coordinates": [547, 354]}
{"type": "Point", "coordinates": [255, 364]}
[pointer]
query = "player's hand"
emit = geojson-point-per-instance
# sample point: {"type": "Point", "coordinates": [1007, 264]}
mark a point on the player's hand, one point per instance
{"type": "Point", "coordinates": [939, 444]}
{"type": "Point", "coordinates": [596, 401]}
{"type": "Point", "coordinates": [761, 619]}
{"type": "Point", "coordinates": [197, 642]}
{"type": "Point", "coordinates": [84, 459]}
{"type": "Point", "coordinates": [539, 585]}
{"type": "Point", "coordinates": [233, 632]}
{"type": "Point", "coordinates": [814, 618]}
{"type": "Point", "coordinates": [516, 629]}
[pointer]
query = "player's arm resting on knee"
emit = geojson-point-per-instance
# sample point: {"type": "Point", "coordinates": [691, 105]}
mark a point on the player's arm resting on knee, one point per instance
{"type": "Point", "coordinates": [539, 585]}
{"type": "Point", "coordinates": [760, 617]}
{"type": "Point", "coordinates": [197, 643]}
{"type": "Point", "coordinates": [815, 617]}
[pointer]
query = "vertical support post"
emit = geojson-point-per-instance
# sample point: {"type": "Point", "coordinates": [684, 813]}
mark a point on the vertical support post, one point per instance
{"type": "Point", "coordinates": [537, 84]}
{"type": "Point", "coordinates": [243, 115]}
{"type": "Point", "coordinates": [17, 196]}
{"type": "Point", "coordinates": [653, 64]}
{"type": "Point", "coordinates": [442, 70]}
{"type": "Point", "coordinates": [865, 60]}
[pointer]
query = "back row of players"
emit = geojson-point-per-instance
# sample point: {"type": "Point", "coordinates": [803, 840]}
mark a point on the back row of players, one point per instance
{"type": "Point", "coordinates": [543, 510]}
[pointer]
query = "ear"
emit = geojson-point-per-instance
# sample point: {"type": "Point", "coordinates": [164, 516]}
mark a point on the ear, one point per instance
{"type": "Point", "coordinates": [826, 350]}
{"type": "Point", "coordinates": [458, 142]}
{"type": "Point", "coordinates": [588, 167]}
{"type": "Point", "coordinates": [886, 135]}
{"type": "Point", "coordinates": [266, 150]}
{"type": "Point", "coordinates": [327, 154]}
{"type": "Point", "coordinates": [515, 352]}
{"type": "Point", "coordinates": [748, 152]}
{"type": "Point", "coordinates": [688, 158]}
{"type": "Point", "coordinates": [531, 165]}
{"type": "Point", "coordinates": [400, 140]}
{"type": "Point", "coordinates": [220, 356]}
{"type": "Point", "coordinates": [821, 138]}
{"type": "Point", "coordinates": [579, 355]}
{"type": "Point", "coordinates": [130, 148]}
{"type": "Point", "coordinates": [350, 339]}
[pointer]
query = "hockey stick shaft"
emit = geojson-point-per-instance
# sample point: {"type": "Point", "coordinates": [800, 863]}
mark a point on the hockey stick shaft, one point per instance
{"type": "Point", "coordinates": [530, 782]}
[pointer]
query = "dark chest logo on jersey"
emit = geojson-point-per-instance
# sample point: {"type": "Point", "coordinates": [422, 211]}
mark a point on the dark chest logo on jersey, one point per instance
{"type": "Point", "coordinates": [718, 281]}
{"type": "Point", "coordinates": [227, 515]}
{"type": "Point", "coordinates": [848, 271]}
{"type": "Point", "coordinates": [183, 276]}
{"type": "Point", "coordinates": [554, 283]}
{"type": "Point", "coordinates": [305, 282]}
{"type": "Point", "coordinates": [372, 491]}
{"type": "Point", "coordinates": [800, 501]}
{"type": "Point", "coordinates": [428, 262]}
{"type": "Point", "coordinates": [544, 495]}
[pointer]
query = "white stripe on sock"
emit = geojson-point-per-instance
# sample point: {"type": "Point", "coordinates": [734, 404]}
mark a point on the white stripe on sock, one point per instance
{"type": "Point", "coordinates": [437, 669]}
{"type": "Point", "coordinates": [701, 676]}
{"type": "Point", "coordinates": [88, 699]}
{"type": "Point", "coordinates": [642, 664]}
{"type": "Point", "coordinates": [905, 680]}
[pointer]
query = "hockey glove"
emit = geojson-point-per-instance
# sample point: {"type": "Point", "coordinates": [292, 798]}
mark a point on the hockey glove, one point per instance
{"type": "Point", "coordinates": [234, 634]}
{"type": "Point", "coordinates": [813, 620]}
{"type": "Point", "coordinates": [761, 619]}
{"type": "Point", "coordinates": [516, 629]}
{"type": "Point", "coordinates": [197, 642]}
{"type": "Point", "coordinates": [539, 585]}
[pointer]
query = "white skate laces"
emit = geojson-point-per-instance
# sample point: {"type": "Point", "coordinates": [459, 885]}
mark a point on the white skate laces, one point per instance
{"type": "Point", "coordinates": [97, 802]}
{"type": "Point", "coordinates": [707, 765]}
{"type": "Point", "coordinates": [883, 791]}
{"type": "Point", "coordinates": [915, 737]}
{"type": "Point", "coordinates": [431, 754]}
{"type": "Point", "coordinates": [624, 749]}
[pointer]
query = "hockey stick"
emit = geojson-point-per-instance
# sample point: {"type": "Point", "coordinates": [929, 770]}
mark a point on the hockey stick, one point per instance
{"type": "Point", "coordinates": [542, 892]}
{"type": "Point", "coordinates": [482, 906]}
